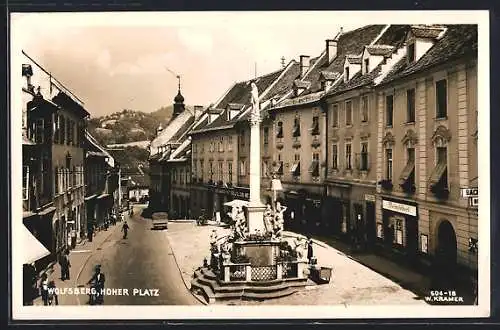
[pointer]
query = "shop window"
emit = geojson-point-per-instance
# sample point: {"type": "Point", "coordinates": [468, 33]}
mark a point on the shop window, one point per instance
{"type": "Point", "coordinates": [424, 243]}
{"type": "Point", "coordinates": [335, 157]}
{"type": "Point", "coordinates": [380, 230]}
{"type": "Point", "coordinates": [410, 105]}
{"type": "Point", "coordinates": [335, 115]}
{"type": "Point", "coordinates": [348, 113]}
{"type": "Point", "coordinates": [398, 225]}
{"type": "Point", "coordinates": [364, 109]}
{"type": "Point", "coordinates": [441, 99]}
{"type": "Point", "coordinates": [389, 110]}
{"type": "Point", "coordinates": [26, 179]}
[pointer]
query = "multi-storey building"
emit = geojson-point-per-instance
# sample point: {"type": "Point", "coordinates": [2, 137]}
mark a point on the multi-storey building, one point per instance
{"type": "Point", "coordinates": [101, 181]}
{"type": "Point", "coordinates": [427, 148]}
{"type": "Point", "coordinates": [55, 122]}
{"type": "Point", "coordinates": [221, 143]}
{"type": "Point", "coordinates": [301, 135]}
{"type": "Point", "coordinates": [179, 165]}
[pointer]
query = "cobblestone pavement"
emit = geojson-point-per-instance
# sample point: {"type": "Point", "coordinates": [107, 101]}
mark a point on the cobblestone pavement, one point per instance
{"type": "Point", "coordinates": [351, 283]}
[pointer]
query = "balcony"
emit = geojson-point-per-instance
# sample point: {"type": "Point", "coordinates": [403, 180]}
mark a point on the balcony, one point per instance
{"type": "Point", "coordinates": [279, 143]}
{"type": "Point", "coordinates": [315, 141]}
{"type": "Point", "coordinates": [296, 143]}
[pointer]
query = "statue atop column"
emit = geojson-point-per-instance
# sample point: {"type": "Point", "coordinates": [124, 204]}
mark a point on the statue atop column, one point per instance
{"type": "Point", "coordinates": [255, 112]}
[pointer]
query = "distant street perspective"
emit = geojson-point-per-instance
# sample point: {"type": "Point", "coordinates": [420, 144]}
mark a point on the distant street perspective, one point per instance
{"type": "Point", "coordinates": [345, 178]}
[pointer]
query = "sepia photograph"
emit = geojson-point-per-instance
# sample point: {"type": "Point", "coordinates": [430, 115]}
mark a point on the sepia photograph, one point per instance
{"type": "Point", "coordinates": [260, 165]}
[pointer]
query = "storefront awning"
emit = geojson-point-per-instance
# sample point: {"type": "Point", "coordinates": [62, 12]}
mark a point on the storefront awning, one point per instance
{"type": "Point", "coordinates": [408, 169]}
{"type": "Point", "coordinates": [90, 197]}
{"type": "Point", "coordinates": [437, 173]}
{"type": "Point", "coordinates": [102, 196]}
{"type": "Point", "coordinates": [236, 202]}
{"type": "Point", "coordinates": [314, 168]}
{"type": "Point", "coordinates": [295, 168]}
{"type": "Point", "coordinates": [47, 210]}
{"type": "Point", "coordinates": [32, 248]}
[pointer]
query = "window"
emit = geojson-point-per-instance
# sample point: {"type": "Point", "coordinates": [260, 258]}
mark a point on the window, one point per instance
{"type": "Point", "coordinates": [389, 109]}
{"type": "Point", "coordinates": [348, 113]}
{"type": "Point", "coordinates": [295, 169]}
{"type": "Point", "coordinates": [230, 171]}
{"type": "Point", "coordinates": [367, 65]}
{"type": "Point", "coordinates": [347, 73]}
{"type": "Point", "coordinates": [364, 109]}
{"type": "Point", "coordinates": [279, 133]}
{"type": "Point", "coordinates": [39, 130]}
{"type": "Point", "coordinates": [440, 175]}
{"type": "Point", "coordinates": [266, 135]}
{"type": "Point", "coordinates": [71, 128]}
{"type": "Point", "coordinates": [388, 169]}
{"type": "Point", "coordinates": [410, 105]}
{"type": "Point", "coordinates": [335, 115]}
{"type": "Point", "coordinates": [68, 131]}
{"type": "Point", "coordinates": [195, 173]}
{"type": "Point", "coordinates": [201, 169]}
{"type": "Point", "coordinates": [411, 52]}
{"type": "Point", "coordinates": [221, 170]}
{"type": "Point", "coordinates": [364, 156]}
{"type": "Point", "coordinates": [241, 136]}
{"type": "Point", "coordinates": [315, 126]}
{"type": "Point", "coordinates": [62, 137]}
{"type": "Point", "coordinates": [398, 231]}
{"type": "Point", "coordinates": [221, 144]}
{"type": "Point", "coordinates": [242, 168]}
{"type": "Point", "coordinates": [348, 156]}
{"type": "Point", "coordinates": [26, 179]}
{"type": "Point", "coordinates": [230, 143]}
{"type": "Point", "coordinates": [211, 164]}
{"type": "Point", "coordinates": [296, 127]}
{"type": "Point", "coordinates": [57, 128]}
{"type": "Point", "coordinates": [315, 165]}
{"type": "Point", "coordinates": [335, 158]}
{"type": "Point", "coordinates": [441, 99]}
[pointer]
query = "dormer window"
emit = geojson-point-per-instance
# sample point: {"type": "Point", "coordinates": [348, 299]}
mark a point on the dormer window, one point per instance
{"type": "Point", "coordinates": [367, 65]}
{"type": "Point", "coordinates": [346, 73]}
{"type": "Point", "coordinates": [411, 52]}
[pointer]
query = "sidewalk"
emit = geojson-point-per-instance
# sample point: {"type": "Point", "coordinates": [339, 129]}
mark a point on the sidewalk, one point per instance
{"type": "Point", "coordinates": [78, 258]}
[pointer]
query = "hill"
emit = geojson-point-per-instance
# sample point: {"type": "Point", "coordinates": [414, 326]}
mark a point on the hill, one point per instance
{"type": "Point", "coordinates": [128, 126]}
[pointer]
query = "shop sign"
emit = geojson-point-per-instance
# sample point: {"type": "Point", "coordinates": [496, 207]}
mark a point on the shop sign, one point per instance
{"type": "Point", "coordinates": [400, 208]}
{"type": "Point", "coordinates": [369, 198]}
{"type": "Point", "coordinates": [469, 192]}
{"type": "Point", "coordinates": [474, 201]}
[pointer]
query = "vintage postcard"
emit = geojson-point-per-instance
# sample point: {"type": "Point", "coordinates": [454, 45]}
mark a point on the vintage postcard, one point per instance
{"type": "Point", "coordinates": [245, 165]}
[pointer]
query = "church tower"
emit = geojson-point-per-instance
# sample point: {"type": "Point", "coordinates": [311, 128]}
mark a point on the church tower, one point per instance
{"type": "Point", "coordinates": [178, 101]}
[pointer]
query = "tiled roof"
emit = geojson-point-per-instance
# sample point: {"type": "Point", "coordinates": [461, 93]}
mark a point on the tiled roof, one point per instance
{"type": "Point", "coordinates": [354, 59]}
{"type": "Point", "coordinates": [327, 75]}
{"type": "Point", "coordinates": [300, 83]}
{"type": "Point", "coordinates": [359, 80]}
{"type": "Point", "coordinates": [395, 35]}
{"type": "Point", "coordinates": [458, 41]}
{"type": "Point", "coordinates": [172, 130]}
{"type": "Point", "coordinates": [351, 42]}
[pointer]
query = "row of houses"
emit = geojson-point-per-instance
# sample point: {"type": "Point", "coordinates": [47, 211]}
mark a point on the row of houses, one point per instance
{"type": "Point", "coordinates": [69, 180]}
{"type": "Point", "coordinates": [375, 139]}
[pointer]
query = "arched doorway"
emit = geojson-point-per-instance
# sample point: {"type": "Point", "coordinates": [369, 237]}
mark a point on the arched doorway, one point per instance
{"type": "Point", "coordinates": [446, 253]}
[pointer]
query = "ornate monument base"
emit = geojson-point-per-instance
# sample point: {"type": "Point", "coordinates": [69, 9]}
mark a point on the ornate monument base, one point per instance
{"type": "Point", "coordinates": [259, 253]}
{"type": "Point", "coordinates": [255, 218]}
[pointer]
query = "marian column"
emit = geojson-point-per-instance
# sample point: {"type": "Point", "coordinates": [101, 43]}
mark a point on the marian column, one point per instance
{"type": "Point", "coordinates": [255, 207]}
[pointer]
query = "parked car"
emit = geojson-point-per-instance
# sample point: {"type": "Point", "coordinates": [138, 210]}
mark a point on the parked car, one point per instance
{"type": "Point", "coordinates": [160, 220]}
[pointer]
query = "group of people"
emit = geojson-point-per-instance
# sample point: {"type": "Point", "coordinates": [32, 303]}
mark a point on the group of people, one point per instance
{"type": "Point", "coordinates": [112, 219]}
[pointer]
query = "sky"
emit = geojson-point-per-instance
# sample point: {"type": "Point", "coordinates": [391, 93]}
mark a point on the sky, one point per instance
{"type": "Point", "coordinates": [131, 61]}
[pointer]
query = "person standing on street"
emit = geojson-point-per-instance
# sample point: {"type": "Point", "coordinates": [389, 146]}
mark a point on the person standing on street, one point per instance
{"type": "Point", "coordinates": [65, 265]}
{"type": "Point", "coordinates": [44, 289]}
{"type": "Point", "coordinates": [125, 228]}
{"type": "Point", "coordinates": [97, 282]}
{"type": "Point", "coordinates": [310, 252]}
{"type": "Point", "coordinates": [90, 232]}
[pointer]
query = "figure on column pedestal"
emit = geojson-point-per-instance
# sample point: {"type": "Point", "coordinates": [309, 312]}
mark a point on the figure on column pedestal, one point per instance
{"type": "Point", "coordinates": [278, 219]}
{"type": "Point", "coordinates": [255, 114]}
{"type": "Point", "coordinates": [268, 219]}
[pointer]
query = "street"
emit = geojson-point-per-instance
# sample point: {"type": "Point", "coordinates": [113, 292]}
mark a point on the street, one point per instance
{"type": "Point", "coordinates": [143, 263]}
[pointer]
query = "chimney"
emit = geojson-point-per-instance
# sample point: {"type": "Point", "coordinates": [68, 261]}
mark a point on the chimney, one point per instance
{"type": "Point", "coordinates": [304, 64]}
{"type": "Point", "coordinates": [331, 50]}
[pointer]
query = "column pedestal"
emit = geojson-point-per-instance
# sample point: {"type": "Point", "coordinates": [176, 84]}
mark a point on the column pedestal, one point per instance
{"type": "Point", "coordinates": [256, 218]}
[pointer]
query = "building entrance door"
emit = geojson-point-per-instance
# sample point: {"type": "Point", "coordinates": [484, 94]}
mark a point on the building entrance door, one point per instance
{"type": "Point", "coordinates": [371, 230]}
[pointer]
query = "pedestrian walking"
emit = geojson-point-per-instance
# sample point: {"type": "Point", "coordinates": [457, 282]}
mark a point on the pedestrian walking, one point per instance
{"type": "Point", "coordinates": [52, 298]}
{"type": "Point", "coordinates": [90, 232]}
{"type": "Point", "coordinates": [97, 281]}
{"type": "Point", "coordinates": [44, 289]}
{"type": "Point", "coordinates": [125, 228]}
{"type": "Point", "coordinates": [65, 265]}
{"type": "Point", "coordinates": [310, 252]}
